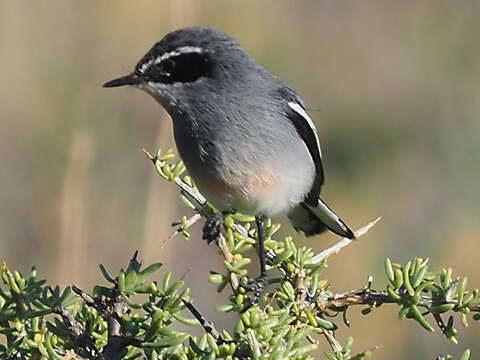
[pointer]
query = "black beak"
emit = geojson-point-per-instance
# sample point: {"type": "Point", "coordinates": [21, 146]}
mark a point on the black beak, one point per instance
{"type": "Point", "coordinates": [130, 79]}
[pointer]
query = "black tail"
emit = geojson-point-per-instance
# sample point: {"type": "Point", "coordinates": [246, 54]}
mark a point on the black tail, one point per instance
{"type": "Point", "coordinates": [315, 220]}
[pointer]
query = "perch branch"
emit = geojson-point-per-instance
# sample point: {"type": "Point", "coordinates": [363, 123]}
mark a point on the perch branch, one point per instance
{"type": "Point", "coordinates": [335, 249]}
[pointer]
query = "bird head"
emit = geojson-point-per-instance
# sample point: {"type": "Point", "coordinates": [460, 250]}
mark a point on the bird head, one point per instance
{"type": "Point", "coordinates": [189, 65]}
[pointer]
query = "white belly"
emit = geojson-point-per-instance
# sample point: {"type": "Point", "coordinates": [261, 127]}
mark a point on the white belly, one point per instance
{"type": "Point", "coordinates": [268, 189]}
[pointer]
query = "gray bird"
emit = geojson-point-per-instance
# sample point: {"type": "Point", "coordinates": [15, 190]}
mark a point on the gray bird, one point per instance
{"type": "Point", "coordinates": [243, 134]}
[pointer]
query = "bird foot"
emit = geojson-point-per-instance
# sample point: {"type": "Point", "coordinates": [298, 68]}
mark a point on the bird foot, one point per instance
{"type": "Point", "coordinates": [212, 228]}
{"type": "Point", "coordinates": [257, 287]}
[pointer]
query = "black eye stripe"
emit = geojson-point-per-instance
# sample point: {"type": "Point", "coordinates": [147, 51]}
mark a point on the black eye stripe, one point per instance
{"type": "Point", "coordinates": [186, 67]}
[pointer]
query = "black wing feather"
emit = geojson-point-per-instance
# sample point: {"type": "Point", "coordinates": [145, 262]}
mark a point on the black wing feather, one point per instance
{"type": "Point", "coordinates": [306, 129]}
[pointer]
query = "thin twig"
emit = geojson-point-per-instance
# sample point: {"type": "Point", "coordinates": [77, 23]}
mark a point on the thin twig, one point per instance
{"type": "Point", "coordinates": [366, 296]}
{"type": "Point", "coordinates": [254, 344]}
{"type": "Point", "coordinates": [70, 322]}
{"type": "Point", "coordinates": [188, 222]}
{"type": "Point", "coordinates": [440, 323]}
{"type": "Point", "coordinates": [361, 356]}
{"type": "Point", "coordinates": [191, 191]}
{"type": "Point", "coordinates": [71, 355]}
{"type": "Point", "coordinates": [196, 196]}
{"type": "Point", "coordinates": [207, 325]}
{"type": "Point", "coordinates": [227, 254]}
{"type": "Point", "coordinates": [270, 302]}
{"type": "Point", "coordinates": [300, 289]}
{"type": "Point", "coordinates": [148, 155]}
{"type": "Point", "coordinates": [333, 342]}
{"type": "Point", "coordinates": [95, 303]}
{"type": "Point", "coordinates": [335, 249]}
{"type": "Point", "coordinates": [20, 337]}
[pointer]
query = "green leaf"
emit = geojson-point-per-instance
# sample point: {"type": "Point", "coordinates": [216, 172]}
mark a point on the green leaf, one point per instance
{"type": "Point", "coordinates": [121, 281]}
{"type": "Point", "coordinates": [166, 280]}
{"type": "Point", "coordinates": [215, 278]}
{"type": "Point", "coordinates": [406, 279]}
{"type": "Point", "coordinates": [168, 341]}
{"type": "Point", "coordinates": [185, 320]}
{"type": "Point", "coordinates": [151, 269]}
{"type": "Point", "coordinates": [325, 324]}
{"type": "Point", "coordinates": [243, 218]}
{"type": "Point", "coordinates": [420, 319]}
{"type": "Point", "coordinates": [389, 271]}
{"type": "Point", "coordinates": [441, 308]}
{"type": "Point", "coordinates": [461, 291]}
{"type": "Point", "coordinates": [106, 275]}
{"type": "Point", "coordinates": [465, 355]}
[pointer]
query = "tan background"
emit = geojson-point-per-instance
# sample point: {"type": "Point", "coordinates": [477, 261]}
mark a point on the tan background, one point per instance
{"type": "Point", "coordinates": [398, 88]}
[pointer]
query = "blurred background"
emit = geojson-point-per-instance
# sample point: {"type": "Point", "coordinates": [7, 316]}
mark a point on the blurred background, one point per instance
{"type": "Point", "coordinates": [397, 88]}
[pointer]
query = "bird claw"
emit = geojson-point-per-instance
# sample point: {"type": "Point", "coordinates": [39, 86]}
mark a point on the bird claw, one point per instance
{"type": "Point", "coordinates": [257, 287]}
{"type": "Point", "coordinates": [212, 228]}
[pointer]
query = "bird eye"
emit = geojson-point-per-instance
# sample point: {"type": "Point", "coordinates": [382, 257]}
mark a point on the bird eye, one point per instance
{"type": "Point", "coordinates": [181, 68]}
{"type": "Point", "coordinates": [167, 66]}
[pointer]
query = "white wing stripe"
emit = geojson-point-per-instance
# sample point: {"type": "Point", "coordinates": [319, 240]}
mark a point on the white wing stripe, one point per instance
{"type": "Point", "coordinates": [299, 110]}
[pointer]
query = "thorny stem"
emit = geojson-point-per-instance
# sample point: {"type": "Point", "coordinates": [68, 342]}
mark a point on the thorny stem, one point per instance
{"type": "Point", "coordinates": [335, 249]}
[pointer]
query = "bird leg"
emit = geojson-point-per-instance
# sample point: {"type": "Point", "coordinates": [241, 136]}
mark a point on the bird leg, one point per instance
{"type": "Point", "coordinates": [213, 227]}
{"type": "Point", "coordinates": [257, 286]}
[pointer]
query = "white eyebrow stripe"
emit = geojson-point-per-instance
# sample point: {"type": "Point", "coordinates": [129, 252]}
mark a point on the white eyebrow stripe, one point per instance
{"type": "Point", "coordinates": [164, 56]}
{"type": "Point", "coordinates": [300, 111]}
